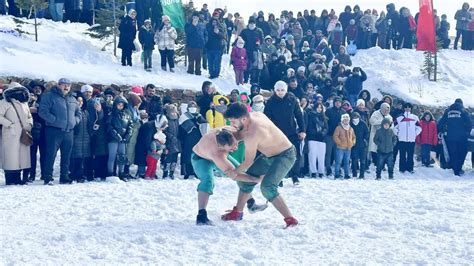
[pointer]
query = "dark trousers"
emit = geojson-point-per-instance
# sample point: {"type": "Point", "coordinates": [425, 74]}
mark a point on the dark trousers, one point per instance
{"type": "Point", "coordinates": [330, 153]}
{"type": "Point", "coordinates": [358, 158]}
{"type": "Point", "coordinates": [382, 159]}
{"type": "Point", "coordinates": [126, 57]}
{"type": "Point", "coordinates": [170, 164]}
{"type": "Point", "coordinates": [215, 58]}
{"type": "Point", "coordinates": [87, 16]}
{"type": "Point", "coordinates": [295, 171]}
{"type": "Point", "coordinates": [407, 149]}
{"type": "Point", "coordinates": [395, 151]}
{"type": "Point", "coordinates": [204, 58]}
{"type": "Point", "coordinates": [194, 60]}
{"type": "Point", "coordinates": [147, 58]}
{"type": "Point", "coordinates": [99, 166]}
{"type": "Point", "coordinates": [459, 33]}
{"type": "Point", "coordinates": [81, 168]}
{"type": "Point", "coordinates": [457, 154]}
{"type": "Point", "coordinates": [41, 146]}
{"type": "Point", "coordinates": [425, 154]}
{"type": "Point", "coordinates": [167, 56]}
{"type": "Point", "coordinates": [56, 139]}
{"type": "Point", "coordinates": [12, 177]}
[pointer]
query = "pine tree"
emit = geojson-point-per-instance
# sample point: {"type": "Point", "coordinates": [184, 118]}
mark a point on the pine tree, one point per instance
{"type": "Point", "coordinates": [33, 6]}
{"type": "Point", "coordinates": [107, 24]}
{"type": "Point", "coordinates": [180, 51]}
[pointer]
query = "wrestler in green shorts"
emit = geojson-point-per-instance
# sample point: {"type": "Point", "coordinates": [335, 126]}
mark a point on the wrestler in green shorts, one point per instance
{"type": "Point", "coordinates": [204, 170]}
{"type": "Point", "coordinates": [274, 169]}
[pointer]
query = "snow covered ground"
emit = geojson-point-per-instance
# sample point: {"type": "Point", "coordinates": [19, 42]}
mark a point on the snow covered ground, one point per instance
{"type": "Point", "coordinates": [64, 50]}
{"type": "Point", "coordinates": [417, 219]}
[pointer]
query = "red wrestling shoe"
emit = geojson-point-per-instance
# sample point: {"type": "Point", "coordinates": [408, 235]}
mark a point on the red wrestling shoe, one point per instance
{"type": "Point", "coordinates": [291, 221]}
{"type": "Point", "coordinates": [233, 215]}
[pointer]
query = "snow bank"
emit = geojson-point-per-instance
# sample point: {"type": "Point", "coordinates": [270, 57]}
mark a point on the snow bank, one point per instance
{"type": "Point", "coordinates": [424, 218]}
{"type": "Point", "coordinates": [64, 50]}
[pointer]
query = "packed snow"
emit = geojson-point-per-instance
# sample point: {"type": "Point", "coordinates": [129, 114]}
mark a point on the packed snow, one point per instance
{"type": "Point", "coordinates": [64, 50]}
{"type": "Point", "coordinates": [425, 218]}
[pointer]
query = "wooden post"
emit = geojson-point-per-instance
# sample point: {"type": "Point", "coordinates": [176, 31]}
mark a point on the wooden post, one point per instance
{"type": "Point", "coordinates": [429, 65]}
{"type": "Point", "coordinates": [36, 25]}
{"type": "Point", "coordinates": [435, 65]}
{"type": "Point", "coordinates": [115, 29]}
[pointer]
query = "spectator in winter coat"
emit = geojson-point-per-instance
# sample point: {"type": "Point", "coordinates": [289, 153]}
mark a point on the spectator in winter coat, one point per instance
{"type": "Point", "coordinates": [173, 145]}
{"type": "Point", "coordinates": [72, 10]}
{"type": "Point", "coordinates": [462, 17]}
{"type": "Point", "coordinates": [81, 157]}
{"type": "Point", "coordinates": [258, 65]}
{"type": "Point", "coordinates": [134, 102]}
{"type": "Point", "coordinates": [258, 103]}
{"type": "Point", "coordinates": [295, 62]}
{"type": "Point", "coordinates": [283, 51]}
{"type": "Point", "coordinates": [345, 139]}
{"type": "Point", "coordinates": [244, 99]}
{"type": "Point", "coordinates": [196, 39]}
{"type": "Point", "coordinates": [151, 102]}
{"type": "Point", "coordinates": [343, 57]}
{"type": "Point", "coordinates": [189, 127]}
{"type": "Point", "coordinates": [336, 38]}
{"type": "Point", "coordinates": [239, 60]}
{"type": "Point", "coordinates": [251, 35]}
{"type": "Point", "coordinates": [120, 130]}
{"type": "Point", "coordinates": [273, 26]}
{"type": "Point", "coordinates": [229, 29]}
{"type": "Point", "coordinates": [14, 117]}
{"type": "Point", "coordinates": [367, 24]}
{"type": "Point", "coordinates": [471, 140]}
{"type": "Point", "coordinates": [323, 49]}
{"type": "Point", "coordinates": [268, 48]}
{"type": "Point", "coordinates": [154, 153]}
{"type": "Point", "coordinates": [385, 140]}
{"type": "Point", "coordinates": [394, 17]}
{"type": "Point", "coordinates": [39, 139]}
{"type": "Point", "coordinates": [428, 137]}
{"type": "Point", "coordinates": [406, 28]}
{"type": "Point", "coordinates": [354, 84]}
{"type": "Point", "coordinates": [214, 47]}
{"type": "Point", "coordinates": [278, 69]}
{"type": "Point", "coordinates": [359, 151]}
{"type": "Point", "coordinates": [165, 38]}
{"type": "Point", "coordinates": [87, 14]}
{"type": "Point", "coordinates": [128, 31]}
{"type": "Point", "coordinates": [316, 133]}
{"type": "Point", "coordinates": [334, 115]}
{"type": "Point", "coordinates": [323, 22]}
{"type": "Point", "coordinates": [365, 95]}
{"type": "Point", "coordinates": [375, 122]}
{"type": "Point", "coordinates": [295, 88]}
{"type": "Point", "coordinates": [362, 111]}
{"type": "Point", "coordinates": [205, 100]}
{"type": "Point", "coordinates": [215, 115]}
{"type": "Point", "coordinates": [351, 31]}
{"type": "Point", "coordinates": [443, 32]}
{"type": "Point", "coordinates": [145, 36]}
{"type": "Point", "coordinates": [381, 27]}
{"type": "Point", "coordinates": [345, 17]}
{"type": "Point", "coordinates": [407, 127]}
{"type": "Point", "coordinates": [61, 114]}
{"type": "Point", "coordinates": [205, 13]}
{"type": "Point", "coordinates": [263, 25]}
{"type": "Point", "coordinates": [291, 123]}
{"type": "Point", "coordinates": [456, 126]}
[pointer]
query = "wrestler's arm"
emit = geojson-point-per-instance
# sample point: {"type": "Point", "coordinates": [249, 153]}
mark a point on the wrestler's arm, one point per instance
{"type": "Point", "coordinates": [228, 168]}
{"type": "Point", "coordinates": [250, 153]}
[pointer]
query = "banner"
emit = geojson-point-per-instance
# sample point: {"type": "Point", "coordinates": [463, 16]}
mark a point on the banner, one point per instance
{"type": "Point", "coordinates": [174, 9]}
{"type": "Point", "coordinates": [425, 32]}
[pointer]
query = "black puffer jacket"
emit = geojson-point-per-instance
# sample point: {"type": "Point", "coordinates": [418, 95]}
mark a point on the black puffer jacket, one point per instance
{"type": "Point", "coordinates": [286, 114]}
{"type": "Point", "coordinates": [362, 135]}
{"type": "Point", "coordinates": [82, 139]}
{"type": "Point", "coordinates": [173, 144]}
{"type": "Point", "coordinates": [144, 139]}
{"type": "Point", "coordinates": [317, 126]}
{"type": "Point", "coordinates": [334, 118]}
{"type": "Point", "coordinates": [120, 125]}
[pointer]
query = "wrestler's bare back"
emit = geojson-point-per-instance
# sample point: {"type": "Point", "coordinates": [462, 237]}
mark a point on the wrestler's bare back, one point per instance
{"type": "Point", "coordinates": [207, 147]}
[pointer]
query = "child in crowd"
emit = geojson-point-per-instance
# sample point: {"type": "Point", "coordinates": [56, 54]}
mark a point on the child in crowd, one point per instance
{"type": "Point", "coordinates": [173, 145]}
{"type": "Point", "coordinates": [215, 115]}
{"type": "Point", "coordinates": [428, 137]}
{"type": "Point", "coordinates": [154, 153]}
{"type": "Point", "coordinates": [385, 139]}
{"type": "Point", "coordinates": [345, 139]}
{"type": "Point", "coordinates": [238, 58]}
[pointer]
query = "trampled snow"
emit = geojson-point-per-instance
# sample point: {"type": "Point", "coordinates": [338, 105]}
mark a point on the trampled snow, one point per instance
{"type": "Point", "coordinates": [418, 219]}
{"type": "Point", "coordinates": [64, 50]}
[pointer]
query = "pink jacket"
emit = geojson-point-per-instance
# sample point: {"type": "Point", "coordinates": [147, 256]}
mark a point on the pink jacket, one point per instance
{"type": "Point", "coordinates": [239, 58]}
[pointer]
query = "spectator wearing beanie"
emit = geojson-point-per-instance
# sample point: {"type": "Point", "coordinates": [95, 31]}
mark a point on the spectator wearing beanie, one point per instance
{"type": "Point", "coordinates": [362, 111]}
{"type": "Point", "coordinates": [385, 139]}
{"type": "Point", "coordinates": [359, 151]}
{"type": "Point", "coordinates": [345, 139]}
{"type": "Point", "coordinates": [334, 118]}
{"type": "Point", "coordinates": [165, 38]}
{"type": "Point", "coordinates": [258, 103]}
{"type": "Point", "coordinates": [428, 139]}
{"type": "Point", "coordinates": [354, 84]}
{"type": "Point", "coordinates": [239, 60]}
{"type": "Point", "coordinates": [407, 127]}
{"type": "Point", "coordinates": [375, 122]}
{"type": "Point", "coordinates": [146, 38]}
{"type": "Point", "coordinates": [134, 102]}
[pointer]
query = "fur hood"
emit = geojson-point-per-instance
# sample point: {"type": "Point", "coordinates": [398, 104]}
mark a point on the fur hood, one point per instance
{"type": "Point", "coordinates": [16, 91]}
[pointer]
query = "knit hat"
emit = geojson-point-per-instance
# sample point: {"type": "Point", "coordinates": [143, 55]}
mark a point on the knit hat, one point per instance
{"type": "Point", "coordinates": [137, 90]}
{"type": "Point", "coordinates": [35, 83]}
{"type": "Point", "coordinates": [344, 117]}
{"type": "Point", "coordinates": [134, 99]}
{"type": "Point", "coordinates": [160, 136]}
{"type": "Point", "coordinates": [459, 101]}
{"type": "Point", "coordinates": [337, 99]}
{"type": "Point", "coordinates": [360, 102]}
{"type": "Point", "coordinates": [268, 37]}
{"type": "Point", "coordinates": [240, 40]}
{"type": "Point", "coordinates": [386, 120]}
{"type": "Point", "coordinates": [147, 21]}
{"type": "Point", "coordinates": [64, 81]}
{"type": "Point", "coordinates": [257, 98]}
{"type": "Point", "coordinates": [131, 11]}
{"type": "Point", "coordinates": [301, 69]}
{"type": "Point", "coordinates": [165, 17]}
{"type": "Point", "coordinates": [385, 106]}
{"type": "Point", "coordinates": [87, 88]}
{"type": "Point", "coordinates": [279, 85]}
{"type": "Point", "coordinates": [407, 105]}
{"type": "Point", "coordinates": [289, 37]}
{"type": "Point", "coordinates": [109, 91]}
{"type": "Point", "coordinates": [355, 115]}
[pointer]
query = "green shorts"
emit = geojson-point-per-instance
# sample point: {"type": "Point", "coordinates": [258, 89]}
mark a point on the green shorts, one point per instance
{"type": "Point", "coordinates": [204, 170]}
{"type": "Point", "coordinates": [274, 169]}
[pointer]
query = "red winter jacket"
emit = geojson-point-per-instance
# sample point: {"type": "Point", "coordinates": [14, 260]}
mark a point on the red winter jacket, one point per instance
{"type": "Point", "coordinates": [429, 133]}
{"type": "Point", "coordinates": [239, 58]}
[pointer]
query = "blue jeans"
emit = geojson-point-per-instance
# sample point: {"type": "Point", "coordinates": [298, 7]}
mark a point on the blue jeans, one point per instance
{"type": "Point", "coordinates": [353, 99]}
{"type": "Point", "coordinates": [56, 10]}
{"type": "Point", "coordinates": [56, 139]}
{"type": "Point", "coordinates": [425, 154]}
{"type": "Point", "coordinates": [147, 56]}
{"type": "Point", "coordinates": [115, 149]}
{"type": "Point", "coordinates": [382, 159]}
{"type": "Point", "coordinates": [342, 156]}
{"type": "Point", "coordinates": [214, 59]}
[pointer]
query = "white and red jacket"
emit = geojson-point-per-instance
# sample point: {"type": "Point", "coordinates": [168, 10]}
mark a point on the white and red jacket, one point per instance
{"type": "Point", "coordinates": [407, 127]}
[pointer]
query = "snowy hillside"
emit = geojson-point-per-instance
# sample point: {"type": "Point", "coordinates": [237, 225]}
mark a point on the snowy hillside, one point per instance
{"type": "Point", "coordinates": [420, 219]}
{"type": "Point", "coordinates": [64, 50]}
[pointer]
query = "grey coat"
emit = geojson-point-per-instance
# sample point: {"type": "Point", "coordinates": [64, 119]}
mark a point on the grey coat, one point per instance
{"type": "Point", "coordinates": [82, 139]}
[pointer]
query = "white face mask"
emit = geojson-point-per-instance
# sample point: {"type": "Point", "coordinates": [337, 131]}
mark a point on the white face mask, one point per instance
{"type": "Point", "coordinates": [192, 110]}
{"type": "Point", "coordinates": [240, 45]}
{"type": "Point", "coordinates": [252, 26]}
{"type": "Point", "coordinates": [355, 121]}
{"type": "Point", "coordinates": [258, 107]}
{"type": "Point", "coordinates": [331, 103]}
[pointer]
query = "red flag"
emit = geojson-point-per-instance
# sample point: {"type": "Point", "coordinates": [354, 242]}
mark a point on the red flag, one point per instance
{"type": "Point", "coordinates": [425, 33]}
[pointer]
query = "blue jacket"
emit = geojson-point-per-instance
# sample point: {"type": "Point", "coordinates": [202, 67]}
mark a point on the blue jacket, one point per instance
{"type": "Point", "coordinates": [196, 36]}
{"type": "Point", "coordinates": [354, 85]}
{"type": "Point", "coordinates": [59, 111]}
{"type": "Point", "coordinates": [456, 123]}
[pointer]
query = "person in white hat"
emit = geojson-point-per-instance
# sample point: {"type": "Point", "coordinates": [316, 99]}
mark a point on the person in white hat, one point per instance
{"type": "Point", "coordinates": [345, 139]}
{"type": "Point", "coordinates": [86, 91]}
